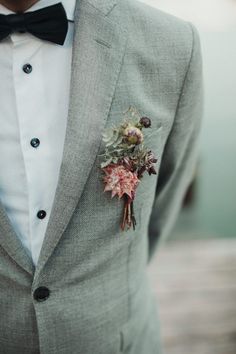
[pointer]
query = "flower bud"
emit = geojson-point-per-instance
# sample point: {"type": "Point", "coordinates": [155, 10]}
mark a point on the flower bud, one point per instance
{"type": "Point", "coordinates": [133, 135]}
{"type": "Point", "coordinates": [145, 122]}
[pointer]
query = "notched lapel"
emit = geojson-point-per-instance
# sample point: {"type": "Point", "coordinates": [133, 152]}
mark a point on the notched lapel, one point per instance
{"type": "Point", "coordinates": [99, 46]}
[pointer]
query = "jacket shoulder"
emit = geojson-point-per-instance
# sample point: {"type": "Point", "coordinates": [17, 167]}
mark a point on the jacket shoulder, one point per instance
{"type": "Point", "coordinates": [150, 18]}
{"type": "Point", "coordinates": [150, 27]}
{"type": "Point", "coordinates": [153, 16]}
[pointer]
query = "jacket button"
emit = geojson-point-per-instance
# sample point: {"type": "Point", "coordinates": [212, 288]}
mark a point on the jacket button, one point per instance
{"type": "Point", "coordinates": [41, 294]}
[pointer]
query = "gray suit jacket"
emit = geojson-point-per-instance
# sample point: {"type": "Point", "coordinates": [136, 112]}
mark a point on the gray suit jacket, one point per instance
{"type": "Point", "coordinates": [125, 53]}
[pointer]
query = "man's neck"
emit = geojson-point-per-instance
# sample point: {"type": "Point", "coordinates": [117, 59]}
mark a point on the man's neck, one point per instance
{"type": "Point", "coordinates": [18, 5]}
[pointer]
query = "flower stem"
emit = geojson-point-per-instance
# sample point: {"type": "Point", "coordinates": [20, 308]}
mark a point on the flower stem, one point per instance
{"type": "Point", "coordinates": [128, 214]}
{"type": "Point", "coordinates": [132, 215]}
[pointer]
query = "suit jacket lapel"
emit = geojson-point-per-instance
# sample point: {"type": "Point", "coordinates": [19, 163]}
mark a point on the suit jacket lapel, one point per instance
{"type": "Point", "coordinates": [11, 243]}
{"type": "Point", "coordinates": [99, 46]}
{"type": "Point", "coordinates": [98, 49]}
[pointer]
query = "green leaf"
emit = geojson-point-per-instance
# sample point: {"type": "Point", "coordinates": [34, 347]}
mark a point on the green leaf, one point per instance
{"type": "Point", "coordinates": [106, 163]}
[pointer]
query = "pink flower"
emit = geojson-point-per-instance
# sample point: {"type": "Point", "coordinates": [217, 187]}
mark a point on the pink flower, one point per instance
{"type": "Point", "coordinates": [120, 180]}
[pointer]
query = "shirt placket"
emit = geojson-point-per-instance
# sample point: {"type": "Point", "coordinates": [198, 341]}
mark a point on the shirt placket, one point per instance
{"type": "Point", "coordinates": [30, 103]}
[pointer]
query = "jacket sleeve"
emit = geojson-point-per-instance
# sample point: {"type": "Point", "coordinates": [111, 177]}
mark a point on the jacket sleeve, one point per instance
{"type": "Point", "coordinates": [180, 152]}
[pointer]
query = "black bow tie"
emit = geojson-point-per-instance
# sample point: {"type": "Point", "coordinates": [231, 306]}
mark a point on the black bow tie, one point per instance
{"type": "Point", "coordinates": [49, 23]}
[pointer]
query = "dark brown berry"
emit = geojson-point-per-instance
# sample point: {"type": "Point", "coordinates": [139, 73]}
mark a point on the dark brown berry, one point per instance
{"type": "Point", "coordinates": [145, 121]}
{"type": "Point", "coordinates": [152, 171]}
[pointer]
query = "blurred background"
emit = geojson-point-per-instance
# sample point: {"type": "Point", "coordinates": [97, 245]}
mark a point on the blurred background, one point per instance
{"type": "Point", "coordinates": [194, 271]}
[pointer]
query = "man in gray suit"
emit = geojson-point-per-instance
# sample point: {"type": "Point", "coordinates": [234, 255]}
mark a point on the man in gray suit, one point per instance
{"type": "Point", "coordinates": [71, 281]}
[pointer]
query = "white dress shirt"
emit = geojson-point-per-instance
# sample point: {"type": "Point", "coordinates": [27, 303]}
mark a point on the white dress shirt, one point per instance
{"type": "Point", "coordinates": [33, 105]}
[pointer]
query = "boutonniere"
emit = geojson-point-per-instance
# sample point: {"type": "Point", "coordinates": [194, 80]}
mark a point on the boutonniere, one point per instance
{"type": "Point", "coordinates": [126, 158]}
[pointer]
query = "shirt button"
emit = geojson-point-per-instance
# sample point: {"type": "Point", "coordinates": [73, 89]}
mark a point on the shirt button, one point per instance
{"type": "Point", "coordinates": [35, 142]}
{"type": "Point", "coordinates": [41, 214]}
{"type": "Point", "coordinates": [27, 68]}
{"type": "Point", "coordinates": [41, 294]}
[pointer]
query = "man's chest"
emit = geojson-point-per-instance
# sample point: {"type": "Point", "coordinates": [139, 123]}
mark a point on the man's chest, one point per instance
{"type": "Point", "coordinates": [34, 101]}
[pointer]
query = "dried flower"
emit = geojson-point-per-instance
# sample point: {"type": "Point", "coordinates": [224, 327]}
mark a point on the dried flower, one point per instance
{"type": "Point", "coordinates": [133, 135]}
{"type": "Point", "coordinates": [145, 122]}
{"type": "Point", "coordinates": [125, 160]}
{"type": "Point", "coordinates": [120, 181]}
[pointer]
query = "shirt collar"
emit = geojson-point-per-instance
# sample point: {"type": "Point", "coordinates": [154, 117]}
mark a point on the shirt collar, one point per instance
{"type": "Point", "coordinates": [69, 6]}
